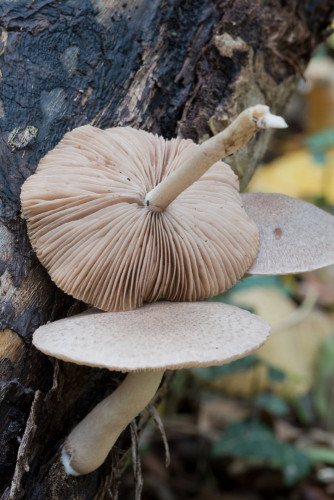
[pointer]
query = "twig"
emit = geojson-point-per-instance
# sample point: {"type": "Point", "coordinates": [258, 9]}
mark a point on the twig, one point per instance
{"type": "Point", "coordinates": [136, 460]}
{"type": "Point", "coordinates": [299, 314]}
{"type": "Point", "coordinates": [157, 420]}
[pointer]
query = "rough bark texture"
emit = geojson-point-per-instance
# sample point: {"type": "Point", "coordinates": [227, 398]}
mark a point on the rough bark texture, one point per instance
{"type": "Point", "coordinates": [167, 66]}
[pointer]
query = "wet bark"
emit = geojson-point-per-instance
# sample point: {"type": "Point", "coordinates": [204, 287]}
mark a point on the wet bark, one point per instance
{"type": "Point", "coordinates": [167, 66]}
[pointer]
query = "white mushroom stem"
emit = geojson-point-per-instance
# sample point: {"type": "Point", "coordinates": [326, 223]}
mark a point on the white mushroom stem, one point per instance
{"type": "Point", "coordinates": [88, 445]}
{"type": "Point", "coordinates": [211, 151]}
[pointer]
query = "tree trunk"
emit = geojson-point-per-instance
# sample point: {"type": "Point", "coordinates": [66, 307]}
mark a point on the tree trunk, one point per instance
{"type": "Point", "coordinates": [171, 67]}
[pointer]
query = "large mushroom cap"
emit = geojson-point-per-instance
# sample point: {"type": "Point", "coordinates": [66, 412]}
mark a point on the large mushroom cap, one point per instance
{"type": "Point", "coordinates": [89, 227]}
{"type": "Point", "coordinates": [295, 236]}
{"type": "Point", "coordinates": [157, 336]}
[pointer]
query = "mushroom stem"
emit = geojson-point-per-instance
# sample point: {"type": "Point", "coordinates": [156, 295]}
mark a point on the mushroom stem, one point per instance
{"type": "Point", "coordinates": [211, 151]}
{"type": "Point", "coordinates": [89, 443]}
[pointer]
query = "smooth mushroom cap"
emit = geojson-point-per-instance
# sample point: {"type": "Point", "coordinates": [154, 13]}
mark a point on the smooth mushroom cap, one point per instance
{"type": "Point", "coordinates": [295, 236]}
{"type": "Point", "coordinates": [157, 336]}
{"type": "Point", "coordinates": [89, 227]}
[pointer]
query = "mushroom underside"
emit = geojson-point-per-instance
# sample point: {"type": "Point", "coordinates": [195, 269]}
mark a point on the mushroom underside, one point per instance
{"type": "Point", "coordinates": [90, 228]}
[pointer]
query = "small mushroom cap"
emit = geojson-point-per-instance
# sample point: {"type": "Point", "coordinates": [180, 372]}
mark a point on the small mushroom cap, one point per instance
{"type": "Point", "coordinates": [162, 335]}
{"type": "Point", "coordinates": [89, 227]}
{"type": "Point", "coordinates": [295, 236]}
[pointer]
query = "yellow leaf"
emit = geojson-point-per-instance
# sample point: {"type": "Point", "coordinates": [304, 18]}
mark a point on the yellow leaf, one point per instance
{"type": "Point", "coordinates": [292, 349]}
{"type": "Point", "coordinates": [297, 174]}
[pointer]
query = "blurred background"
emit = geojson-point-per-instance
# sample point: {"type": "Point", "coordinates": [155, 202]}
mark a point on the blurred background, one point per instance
{"type": "Point", "coordinates": [263, 427]}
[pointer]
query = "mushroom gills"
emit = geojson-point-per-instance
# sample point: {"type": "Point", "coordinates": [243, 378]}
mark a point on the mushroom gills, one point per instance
{"type": "Point", "coordinates": [101, 243]}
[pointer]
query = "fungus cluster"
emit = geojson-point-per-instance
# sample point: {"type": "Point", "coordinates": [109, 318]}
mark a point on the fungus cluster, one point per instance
{"type": "Point", "coordinates": [120, 218]}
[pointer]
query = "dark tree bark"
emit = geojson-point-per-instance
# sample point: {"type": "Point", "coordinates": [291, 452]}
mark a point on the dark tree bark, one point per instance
{"type": "Point", "coordinates": [168, 66]}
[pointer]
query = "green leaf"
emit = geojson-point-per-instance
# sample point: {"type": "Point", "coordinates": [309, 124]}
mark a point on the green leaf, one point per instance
{"type": "Point", "coordinates": [320, 454]}
{"type": "Point", "coordinates": [271, 403]}
{"type": "Point", "coordinates": [239, 365]}
{"type": "Point", "coordinates": [302, 407]}
{"type": "Point", "coordinates": [321, 140]}
{"type": "Point", "coordinates": [257, 444]}
{"type": "Point", "coordinates": [319, 143]}
{"type": "Point", "coordinates": [323, 384]}
{"type": "Point", "coordinates": [275, 374]}
{"type": "Point", "coordinates": [249, 282]}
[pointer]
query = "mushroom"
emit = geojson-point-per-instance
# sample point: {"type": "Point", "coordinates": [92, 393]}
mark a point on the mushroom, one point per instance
{"type": "Point", "coordinates": [144, 342]}
{"type": "Point", "coordinates": [295, 236]}
{"type": "Point", "coordinates": [117, 218]}
{"type": "Point", "coordinates": [121, 217]}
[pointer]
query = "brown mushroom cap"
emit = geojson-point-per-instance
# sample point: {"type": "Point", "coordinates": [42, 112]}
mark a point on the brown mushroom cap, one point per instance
{"type": "Point", "coordinates": [89, 227]}
{"type": "Point", "coordinates": [157, 336]}
{"type": "Point", "coordinates": [295, 236]}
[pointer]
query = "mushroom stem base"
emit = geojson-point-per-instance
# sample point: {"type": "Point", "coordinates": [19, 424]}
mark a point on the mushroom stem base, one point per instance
{"type": "Point", "coordinates": [88, 445]}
